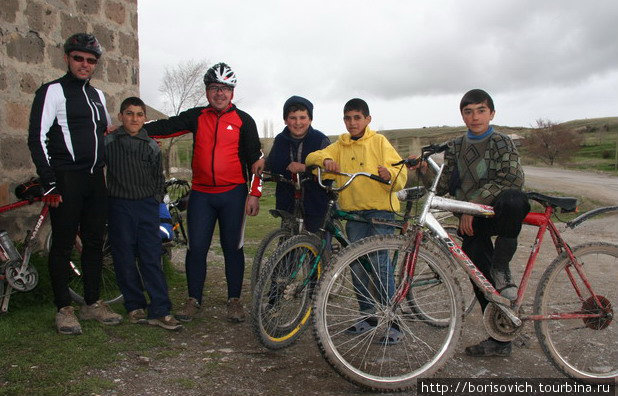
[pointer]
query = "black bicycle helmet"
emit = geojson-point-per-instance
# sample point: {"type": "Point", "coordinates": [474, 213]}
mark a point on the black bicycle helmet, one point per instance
{"type": "Point", "coordinates": [220, 73]}
{"type": "Point", "coordinates": [83, 42]}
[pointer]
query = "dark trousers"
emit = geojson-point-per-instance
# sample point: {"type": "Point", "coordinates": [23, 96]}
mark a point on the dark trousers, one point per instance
{"type": "Point", "coordinates": [133, 228]}
{"type": "Point", "coordinates": [83, 207]}
{"type": "Point", "coordinates": [510, 207]}
{"type": "Point", "coordinates": [204, 211]}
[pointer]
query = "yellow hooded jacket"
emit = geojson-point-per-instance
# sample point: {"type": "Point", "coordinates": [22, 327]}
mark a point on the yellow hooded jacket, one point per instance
{"type": "Point", "coordinates": [364, 155]}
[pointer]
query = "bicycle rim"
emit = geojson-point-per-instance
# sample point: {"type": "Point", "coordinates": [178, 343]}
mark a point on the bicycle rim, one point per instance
{"type": "Point", "coordinates": [265, 251]}
{"type": "Point", "coordinates": [367, 359]}
{"type": "Point", "coordinates": [109, 291]}
{"type": "Point", "coordinates": [586, 349]}
{"type": "Point", "coordinates": [282, 297]}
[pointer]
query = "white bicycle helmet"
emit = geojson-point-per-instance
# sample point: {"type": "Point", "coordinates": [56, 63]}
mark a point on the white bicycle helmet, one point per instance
{"type": "Point", "coordinates": [220, 73]}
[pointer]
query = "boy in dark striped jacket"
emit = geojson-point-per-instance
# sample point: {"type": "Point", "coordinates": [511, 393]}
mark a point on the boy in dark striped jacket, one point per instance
{"type": "Point", "coordinates": [135, 186]}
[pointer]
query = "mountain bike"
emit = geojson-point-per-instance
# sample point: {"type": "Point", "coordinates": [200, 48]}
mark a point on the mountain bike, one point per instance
{"type": "Point", "coordinates": [281, 303]}
{"type": "Point", "coordinates": [572, 311]}
{"type": "Point", "coordinates": [176, 192]}
{"type": "Point", "coordinates": [291, 223]}
{"type": "Point", "coordinates": [17, 274]}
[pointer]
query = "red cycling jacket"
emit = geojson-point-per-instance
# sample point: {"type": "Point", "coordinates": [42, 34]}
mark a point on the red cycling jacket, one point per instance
{"type": "Point", "coordinates": [224, 145]}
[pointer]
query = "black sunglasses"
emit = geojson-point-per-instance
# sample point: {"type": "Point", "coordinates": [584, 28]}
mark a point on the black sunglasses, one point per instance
{"type": "Point", "coordinates": [80, 59]}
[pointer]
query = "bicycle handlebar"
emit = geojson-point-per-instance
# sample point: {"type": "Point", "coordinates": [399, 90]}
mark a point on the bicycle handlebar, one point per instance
{"type": "Point", "coordinates": [351, 177]}
{"type": "Point", "coordinates": [426, 151]}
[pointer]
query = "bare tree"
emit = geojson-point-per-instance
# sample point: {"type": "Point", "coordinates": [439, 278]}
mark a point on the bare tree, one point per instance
{"type": "Point", "coordinates": [552, 142]}
{"type": "Point", "coordinates": [182, 88]}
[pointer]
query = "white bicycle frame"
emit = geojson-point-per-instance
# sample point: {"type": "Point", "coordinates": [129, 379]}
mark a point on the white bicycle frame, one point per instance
{"type": "Point", "coordinates": [428, 220]}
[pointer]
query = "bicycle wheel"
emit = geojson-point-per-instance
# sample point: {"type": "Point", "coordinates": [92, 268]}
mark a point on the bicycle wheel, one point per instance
{"type": "Point", "coordinates": [376, 357]}
{"type": "Point", "coordinates": [282, 297]}
{"type": "Point", "coordinates": [109, 290]}
{"type": "Point", "coordinates": [265, 250]}
{"type": "Point", "coordinates": [586, 349]}
{"type": "Point", "coordinates": [428, 283]}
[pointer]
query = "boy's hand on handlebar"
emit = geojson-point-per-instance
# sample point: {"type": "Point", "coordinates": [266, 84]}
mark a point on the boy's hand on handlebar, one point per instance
{"type": "Point", "coordinates": [384, 173]}
{"type": "Point", "coordinates": [296, 167]}
{"type": "Point", "coordinates": [465, 224]}
{"type": "Point", "coordinates": [331, 166]}
{"type": "Point", "coordinates": [421, 165]}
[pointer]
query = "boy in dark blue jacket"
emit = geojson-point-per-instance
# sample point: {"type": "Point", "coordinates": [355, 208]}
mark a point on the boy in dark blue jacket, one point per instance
{"type": "Point", "coordinates": [287, 157]}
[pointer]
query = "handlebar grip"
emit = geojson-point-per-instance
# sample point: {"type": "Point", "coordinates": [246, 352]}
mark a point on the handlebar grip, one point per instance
{"type": "Point", "coordinates": [409, 162]}
{"type": "Point", "coordinates": [378, 178]}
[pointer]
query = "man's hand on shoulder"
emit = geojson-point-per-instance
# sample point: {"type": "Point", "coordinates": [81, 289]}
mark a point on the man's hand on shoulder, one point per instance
{"type": "Point", "coordinates": [110, 129]}
{"type": "Point", "coordinates": [258, 166]}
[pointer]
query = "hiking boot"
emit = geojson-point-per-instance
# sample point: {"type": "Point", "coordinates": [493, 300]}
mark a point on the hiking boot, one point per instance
{"type": "Point", "coordinates": [503, 284]}
{"type": "Point", "coordinates": [489, 347]}
{"type": "Point", "coordinates": [167, 322]}
{"type": "Point", "coordinates": [100, 312]}
{"type": "Point", "coordinates": [66, 321]}
{"type": "Point", "coordinates": [137, 316]}
{"type": "Point", "coordinates": [235, 310]}
{"type": "Point", "coordinates": [188, 310]}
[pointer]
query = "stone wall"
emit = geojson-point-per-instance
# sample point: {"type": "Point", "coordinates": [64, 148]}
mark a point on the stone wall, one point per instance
{"type": "Point", "coordinates": [32, 33]}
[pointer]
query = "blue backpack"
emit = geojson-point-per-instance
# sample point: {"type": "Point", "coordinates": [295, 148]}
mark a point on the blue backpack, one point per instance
{"type": "Point", "coordinates": [166, 228]}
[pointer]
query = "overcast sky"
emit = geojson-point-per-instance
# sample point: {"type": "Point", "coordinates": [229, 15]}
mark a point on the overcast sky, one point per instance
{"type": "Point", "coordinates": [410, 60]}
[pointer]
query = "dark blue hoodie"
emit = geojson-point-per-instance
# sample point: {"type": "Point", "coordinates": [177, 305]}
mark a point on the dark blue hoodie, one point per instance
{"type": "Point", "coordinates": [285, 149]}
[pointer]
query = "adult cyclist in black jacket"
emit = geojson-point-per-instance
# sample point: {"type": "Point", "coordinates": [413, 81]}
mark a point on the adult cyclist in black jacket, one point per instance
{"type": "Point", "coordinates": [65, 138]}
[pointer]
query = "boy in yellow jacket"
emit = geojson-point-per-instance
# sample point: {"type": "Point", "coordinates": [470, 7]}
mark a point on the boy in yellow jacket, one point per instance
{"type": "Point", "coordinates": [363, 150]}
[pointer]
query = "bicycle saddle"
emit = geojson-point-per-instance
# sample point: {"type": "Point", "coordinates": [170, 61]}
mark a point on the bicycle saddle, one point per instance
{"type": "Point", "coordinates": [566, 204]}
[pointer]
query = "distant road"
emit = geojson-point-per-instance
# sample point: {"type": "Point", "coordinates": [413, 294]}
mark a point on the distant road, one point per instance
{"type": "Point", "coordinates": [600, 187]}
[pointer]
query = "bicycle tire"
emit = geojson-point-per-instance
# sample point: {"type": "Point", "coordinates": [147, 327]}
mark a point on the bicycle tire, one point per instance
{"type": "Point", "coordinates": [109, 290]}
{"type": "Point", "coordinates": [282, 297]}
{"type": "Point", "coordinates": [268, 245]}
{"type": "Point", "coordinates": [584, 349]}
{"type": "Point", "coordinates": [420, 352]}
{"type": "Point", "coordinates": [416, 296]}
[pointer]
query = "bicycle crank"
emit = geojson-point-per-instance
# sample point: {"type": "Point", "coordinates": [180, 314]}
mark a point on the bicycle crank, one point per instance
{"type": "Point", "coordinates": [499, 325]}
{"type": "Point", "coordinates": [21, 279]}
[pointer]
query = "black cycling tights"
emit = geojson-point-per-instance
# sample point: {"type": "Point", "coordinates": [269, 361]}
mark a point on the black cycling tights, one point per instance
{"type": "Point", "coordinates": [84, 208]}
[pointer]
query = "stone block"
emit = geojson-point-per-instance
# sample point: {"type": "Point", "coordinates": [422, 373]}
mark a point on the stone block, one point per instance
{"type": "Point", "coordinates": [116, 12]}
{"type": "Point", "coordinates": [3, 83]}
{"type": "Point", "coordinates": [106, 38]}
{"type": "Point", "coordinates": [55, 56]}
{"type": "Point", "coordinates": [128, 46]}
{"type": "Point", "coordinates": [28, 49]}
{"type": "Point", "coordinates": [71, 24]}
{"type": "Point", "coordinates": [88, 7]}
{"type": "Point", "coordinates": [28, 84]}
{"type": "Point", "coordinates": [41, 17]}
{"type": "Point", "coordinates": [14, 153]}
{"type": "Point", "coordinates": [8, 11]}
{"type": "Point", "coordinates": [117, 71]}
{"type": "Point", "coordinates": [17, 117]}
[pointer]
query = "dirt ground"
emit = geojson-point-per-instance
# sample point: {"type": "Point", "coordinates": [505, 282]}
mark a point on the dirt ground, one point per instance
{"type": "Point", "coordinates": [212, 356]}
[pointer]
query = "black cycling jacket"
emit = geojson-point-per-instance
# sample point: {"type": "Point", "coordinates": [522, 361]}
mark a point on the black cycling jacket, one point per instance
{"type": "Point", "coordinates": [67, 123]}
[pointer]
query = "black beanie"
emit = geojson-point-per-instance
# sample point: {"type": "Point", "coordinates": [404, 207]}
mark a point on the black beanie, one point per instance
{"type": "Point", "coordinates": [298, 100]}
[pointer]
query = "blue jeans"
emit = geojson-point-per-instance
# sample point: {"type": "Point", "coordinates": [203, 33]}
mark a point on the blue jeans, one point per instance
{"type": "Point", "coordinates": [378, 263]}
{"type": "Point", "coordinates": [204, 211]}
{"type": "Point", "coordinates": [134, 234]}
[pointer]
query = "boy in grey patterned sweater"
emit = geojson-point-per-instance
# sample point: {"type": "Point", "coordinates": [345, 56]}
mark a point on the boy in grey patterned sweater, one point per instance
{"type": "Point", "coordinates": [483, 166]}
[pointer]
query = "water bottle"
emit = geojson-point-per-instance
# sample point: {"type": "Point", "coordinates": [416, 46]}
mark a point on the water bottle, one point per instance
{"type": "Point", "coordinates": [8, 246]}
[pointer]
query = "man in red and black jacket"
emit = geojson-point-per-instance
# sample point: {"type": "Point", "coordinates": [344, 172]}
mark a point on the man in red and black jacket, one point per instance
{"type": "Point", "coordinates": [226, 152]}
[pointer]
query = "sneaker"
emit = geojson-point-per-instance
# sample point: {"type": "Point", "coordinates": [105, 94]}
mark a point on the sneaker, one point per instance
{"type": "Point", "coordinates": [167, 322]}
{"type": "Point", "coordinates": [188, 310]}
{"type": "Point", "coordinates": [489, 347]}
{"type": "Point", "coordinates": [100, 312]}
{"type": "Point", "coordinates": [137, 316]}
{"type": "Point", "coordinates": [503, 284]}
{"type": "Point", "coordinates": [66, 321]}
{"type": "Point", "coordinates": [235, 310]}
